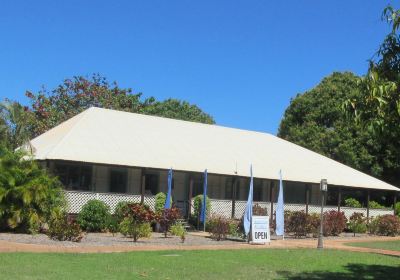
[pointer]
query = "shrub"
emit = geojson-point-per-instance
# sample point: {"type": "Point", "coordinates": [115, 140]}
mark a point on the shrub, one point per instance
{"type": "Point", "coordinates": [136, 215]}
{"type": "Point", "coordinates": [388, 225]}
{"type": "Point", "coordinates": [298, 223]}
{"type": "Point", "coordinates": [113, 225]}
{"type": "Point", "coordinates": [64, 229]}
{"type": "Point", "coordinates": [177, 229]}
{"type": "Point", "coordinates": [219, 227]}
{"type": "Point", "coordinates": [28, 194]}
{"type": "Point", "coordinates": [198, 203]}
{"type": "Point", "coordinates": [334, 222]}
{"type": "Point", "coordinates": [259, 211]}
{"type": "Point", "coordinates": [168, 217]}
{"type": "Point", "coordinates": [397, 208]}
{"type": "Point", "coordinates": [357, 223]}
{"type": "Point", "coordinates": [352, 202]}
{"type": "Point", "coordinates": [94, 216]}
{"type": "Point", "coordinates": [129, 229]}
{"type": "Point", "coordinates": [314, 221]}
{"type": "Point", "coordinates": [235, 229]}
{"type": "Point", "coordinates": [120, 209]}
{"type": "Point", "coordinates": [160, 201]}
{"type": "Point", "coordinates": [375, 205]}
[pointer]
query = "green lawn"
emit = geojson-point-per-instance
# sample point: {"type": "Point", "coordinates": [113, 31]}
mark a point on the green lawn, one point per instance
{"type": "Point", "coordinates": [386, 245]}
{"type": "Point", "coordinates": [222, 264]}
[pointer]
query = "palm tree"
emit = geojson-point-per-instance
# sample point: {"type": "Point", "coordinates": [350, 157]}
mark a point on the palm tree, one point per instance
{"type": "Point", "coordinates": [15, 124]}
{"type": "Point", "coordinates": [28, 195]}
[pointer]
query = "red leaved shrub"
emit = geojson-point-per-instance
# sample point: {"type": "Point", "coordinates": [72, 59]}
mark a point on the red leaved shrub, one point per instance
{"type": "Point", "coordinates": [334, 222]}
{"type": "Point", "coordinates": [385, 225]}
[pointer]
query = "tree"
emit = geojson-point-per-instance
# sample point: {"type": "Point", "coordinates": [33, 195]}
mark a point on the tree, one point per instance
{"type": "Point", "coordinates": [377, 108]}
{"type": "Point", "coordinates": [28, 195]}
{"type": "Point", "coordinates": [15, 123]}
{"type": "Point", "coordinates": [315, 120]}
{"type": "Point", "coordinates": [79, 93]}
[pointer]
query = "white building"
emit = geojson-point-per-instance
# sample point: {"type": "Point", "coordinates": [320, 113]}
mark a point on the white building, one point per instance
{"type": "Point", "coordinates": [119, 156]}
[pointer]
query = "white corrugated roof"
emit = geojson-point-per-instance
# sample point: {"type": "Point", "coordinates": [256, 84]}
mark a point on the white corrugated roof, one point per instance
{"type": "Point", "coordinates": [113, 137]}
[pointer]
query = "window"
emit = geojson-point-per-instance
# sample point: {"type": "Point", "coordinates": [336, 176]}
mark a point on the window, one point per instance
{"type": "Point", "coordinates": [74, 176]}
{"type": "Point", "coordinates": [228, 188]}
{"type": "Point", "coordinates": [151, 184]}
{"type": "Point", "coordinates": [257, 191]}
{"type": "Point", "coordinates": [118, 180]}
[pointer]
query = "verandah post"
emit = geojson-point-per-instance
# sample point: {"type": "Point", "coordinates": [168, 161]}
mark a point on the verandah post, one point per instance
{"type": "Point", "coordinates": [339, 198]}
{"type": "Point", "coordinates": [233, 196]}
{"type": "Point", "coordinates": [367, 206]}
{"type": "Point", "coordinates": [271, 198]}
{"type": "Point", "coordinates": [307, 197]}
{"type": "Point", "coordinates": [142, 185]}
{"type": "Point", "coordinates": [394, 203]}
{"type": "Point", "coordinates": [191, 181]}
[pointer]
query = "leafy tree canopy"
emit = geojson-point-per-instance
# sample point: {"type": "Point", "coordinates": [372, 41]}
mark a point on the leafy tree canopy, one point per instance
{"type": "Point", "coordinates": [377, 108]}
{"type": "Point", "coordinates": [79, 93]}
{"type": "Point", "coordinates": [315, 120]}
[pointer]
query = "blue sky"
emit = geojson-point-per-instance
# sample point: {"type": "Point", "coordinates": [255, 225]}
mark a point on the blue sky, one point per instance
{"type": "Point", "coordinates": [240, 61]}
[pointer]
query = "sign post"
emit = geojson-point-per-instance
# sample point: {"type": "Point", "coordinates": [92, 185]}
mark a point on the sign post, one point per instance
{"type": "Point", "coordinates": [260, 230]}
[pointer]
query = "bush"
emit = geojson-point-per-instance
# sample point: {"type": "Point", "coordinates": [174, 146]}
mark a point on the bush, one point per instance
{"type": "Point", "coordinates": [113, 225]}
{"type": "Point", "coordinates": [219, 227]}
{"type": "Point", "coordinates": [235, 229]}
{"type": "Point", "coordinates": [94, 216]}
{"type": "Point", "coordinates": [388, 225]}
{"type": "Point", "coordinates": [177, 229]}
{"type": "Point", "coordinates": [120, 209]}
{"type": "Point", "coordinates": [136, 215]}
{"type": "Point", "coordinates": [375, 205]}
{"type": "Point", "coordinates": [198, 203]}
{"type": "Point", "coordinates": [259, 211]}
{"type": "Point", "coordinates": [168, 217]}
{"type": "Point", "coordinates": [314, 221]}
{"type": "Point", "coordinates": [357, 223]}
{"type": "Point", "coordinates": [64, 229]}
{"type": "Point", "coordinates": [334, 222]}
{"type": "Point", "coordinates": [298, 223]}
{"type": "Point", "coordinates": [28, 194]}
{"type": "Point", "coordinates": [397, 208]}
{"type": "Point", "coordinates": [160, 201]}
{"type": "Point", "coordinates": [352, 202]}
{"type": "Point", "coordinates": [131, 230]}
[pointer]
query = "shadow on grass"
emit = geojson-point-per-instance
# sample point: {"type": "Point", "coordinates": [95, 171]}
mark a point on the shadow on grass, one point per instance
{"type": "Point", "coordinates": [354, 271]}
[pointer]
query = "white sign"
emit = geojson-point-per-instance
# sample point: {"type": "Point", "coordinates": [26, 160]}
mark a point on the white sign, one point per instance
{"type": "Point", "coordinates": [260, 229]}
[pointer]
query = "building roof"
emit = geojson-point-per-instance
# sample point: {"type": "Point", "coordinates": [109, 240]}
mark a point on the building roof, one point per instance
{"type": "Point", "coordinates": [120, 138]}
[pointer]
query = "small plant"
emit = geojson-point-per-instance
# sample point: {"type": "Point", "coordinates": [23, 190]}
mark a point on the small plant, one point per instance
{"type": "Point", "coordinates": [375, 205]}
{"type": "Point", "coordinates": [397, 208]}
{"type": "Point", "coordinates": [132, 230]}
{"type": "Point", "coordinates": [64, 229]}
{"type": "Point", "coordinates": [198, 204]}
{"type": "Point", "coordinates": [388, 225]}
{"type": "Point", "coordinates": [136, 216]}
{"type": "Point", "coordinates": [314, 221]}
{"type": "Point", "coordinates": [94, 216]}
{"type": "Point", "coordinates": [120, 209]}
{"type": "Point", "coordinates": [234, 229]}
{"type": "Point", "coordinates": [160, 201]}
{"type": "Point", "coordinates": [334, 222]}
{"type": "Point", "coordinates": [259, 211]}
{"type": "Point", "coordinates": [219, 227]}
{"type": "Point", "coordinates": [113, 225]}
{"type": "Point", "coordinates": [167, 218]}
{"type": "Point", "coordinates": [177, 229]}
{"type": "Point", "coordinates": [357, 223]}
{"type": "Point", "coordinates": [352, 202]}
{"type": "Point", "coordinates": [298, 223]}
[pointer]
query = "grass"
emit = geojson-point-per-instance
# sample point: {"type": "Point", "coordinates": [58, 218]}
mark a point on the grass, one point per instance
{"type": "Point", "coordinates": [386, 245]}
{"type": "Point", "coordinates": [220, 264]}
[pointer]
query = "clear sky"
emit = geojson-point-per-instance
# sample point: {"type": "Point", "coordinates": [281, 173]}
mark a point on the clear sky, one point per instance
{"type": "Point", "coordinates": [240, 61]}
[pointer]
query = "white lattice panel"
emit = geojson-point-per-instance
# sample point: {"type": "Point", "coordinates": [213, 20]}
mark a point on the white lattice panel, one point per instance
{"type": "Point", "coordinates": [75, 200]}
{"type": "Point", "coordinates": [380, 212]}
{"type": "Point", "coordinates": [240, 206]}
{"type": "Point", "coordinates": [317, 209]}
{"type": "Point", "coordinates": [348, 211]}
{"type": "Point", "coordinates": [292, 207]}
{"type": "Point", "coordinates": [150, 200]}
{"type": "Point", "coordinates": [221, 207]}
